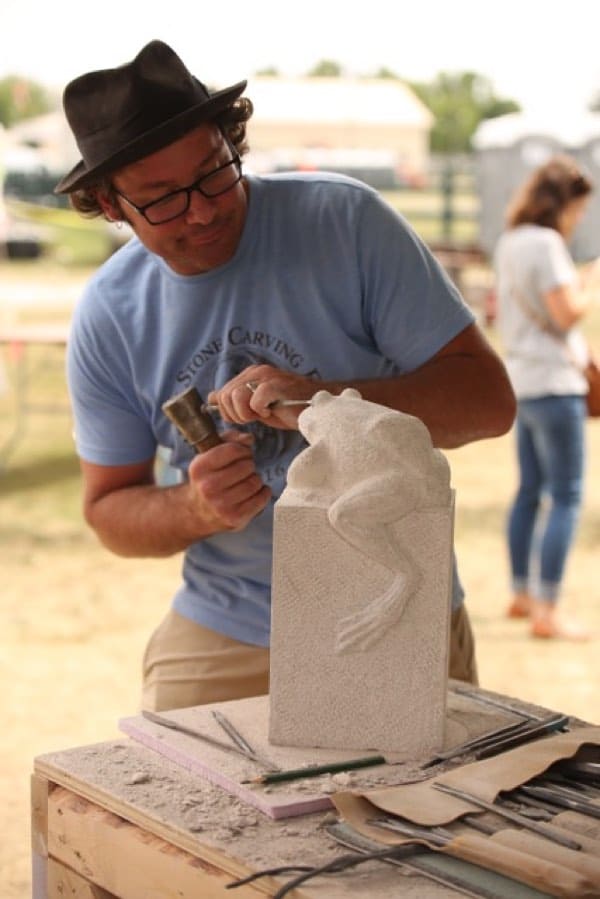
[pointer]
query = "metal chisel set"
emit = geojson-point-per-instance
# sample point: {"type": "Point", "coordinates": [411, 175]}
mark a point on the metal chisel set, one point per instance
{"type": "Point", "coordinates": [524, 824]}
{"type": "Point", "coordinates": [528, 818]}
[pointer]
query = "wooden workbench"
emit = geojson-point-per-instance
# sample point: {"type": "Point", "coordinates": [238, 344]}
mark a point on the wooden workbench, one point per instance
{"type": "Point", "coordinates": [117, 819]}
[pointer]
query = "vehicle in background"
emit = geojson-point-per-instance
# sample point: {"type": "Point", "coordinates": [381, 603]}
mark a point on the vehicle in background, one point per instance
{"type": "Point", "coordinates": [22, 176]}
{"type": "Point", "coordinates": [34, 221]}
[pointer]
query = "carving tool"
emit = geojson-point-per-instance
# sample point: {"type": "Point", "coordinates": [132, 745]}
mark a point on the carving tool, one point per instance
{"type": "Point", "coordinates": [241, 742]}
{"type": "Point", "coordinates": [316, 770]}
{"type": "Point", "coordinates": [189, 415]}
{"type": "Point", "coordinates": [490, 738]}
{"type": "Point", "coordinates": [560, 798]}
{"type": "Point", "coordinates": [214, 409]}
{"type": "Point", "coordinates": [413, 858]}
{"type": "Point", "coordinates": [515, 839]}
{"type": "Point", "coordinates": [515, 817]}
{"type": "Point", "coordinates": [529, 808]}
{"type": "Point", "coordinates": [200, 735]}
{"type": "Point", "coordinates": [252, 385]}
{"type": "Point", "coordinates": [580, 789]}
{"type": "Point", "coordinates": [497, 703]}
{"type": "Point", "coordinates": [502, 857]}
{"type": "Point", "coordinates": [584, 771]}
{"type": "Point", "coordinates": [530, 732]}
{"type": "Point", "coordinates": [417, 859]}
{"type": "Point", "coordinates": [436, 835]}
{"type": "Point", "coordinates": [504, 738]}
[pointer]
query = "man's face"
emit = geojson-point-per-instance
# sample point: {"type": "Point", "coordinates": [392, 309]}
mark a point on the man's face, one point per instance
{"type": "Point", "coordinates": [208, 233]}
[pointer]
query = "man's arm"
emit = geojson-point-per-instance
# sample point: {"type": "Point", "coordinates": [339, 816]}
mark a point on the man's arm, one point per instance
{"type": "Point", "coordinates": [462, 393]}
{"type": "Point", "coordinates": [134, 517]}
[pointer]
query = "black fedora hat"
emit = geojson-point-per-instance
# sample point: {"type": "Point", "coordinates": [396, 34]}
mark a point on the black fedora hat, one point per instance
{"type": "Point", "coordinates": [120, 115]}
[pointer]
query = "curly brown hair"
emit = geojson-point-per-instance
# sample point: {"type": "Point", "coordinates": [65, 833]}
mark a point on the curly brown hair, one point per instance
{"type": "Point", "coordinates": [547, 191]}
{"type": "Point", "coordinates": [231, 121]}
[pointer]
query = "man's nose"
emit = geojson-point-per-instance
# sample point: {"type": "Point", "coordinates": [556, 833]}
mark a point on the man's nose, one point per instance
{"type": "Point", "coordinates": [201, 210]}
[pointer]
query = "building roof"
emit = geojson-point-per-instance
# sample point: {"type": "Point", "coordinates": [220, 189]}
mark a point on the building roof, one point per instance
{"type": "Point", "coordinates": [506, 130]}
{"type": "Point", "coordinates": [336, 100]}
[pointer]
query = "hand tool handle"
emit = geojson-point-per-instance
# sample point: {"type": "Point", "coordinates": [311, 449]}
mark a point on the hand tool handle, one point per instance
{"type": "Point", "coordinates": [551, 833]}
{"type": "Point", "coordinates": [546, 876]}
{"type": "Point", "coordinates": [187, 414]}
{"type": "Point", "coordinates": [582, 862]}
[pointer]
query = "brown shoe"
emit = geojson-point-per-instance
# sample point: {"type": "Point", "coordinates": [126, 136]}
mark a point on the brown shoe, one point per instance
{"type": "Point", "coordinates": [520, 607]}
{"type": "Point", "coordinates": [557, 629]}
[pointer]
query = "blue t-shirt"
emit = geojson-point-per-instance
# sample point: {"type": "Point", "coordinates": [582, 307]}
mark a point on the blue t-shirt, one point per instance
{"type": "Point", "coordinates": [327, 281]}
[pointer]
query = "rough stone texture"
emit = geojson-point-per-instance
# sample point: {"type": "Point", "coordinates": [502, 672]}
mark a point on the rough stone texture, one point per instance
{"type": "Point", "coordinates": [362, 584]}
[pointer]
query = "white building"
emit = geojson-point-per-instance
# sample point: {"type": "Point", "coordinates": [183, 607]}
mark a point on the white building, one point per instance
{"type": "Point", "coordinates": [338, 123]}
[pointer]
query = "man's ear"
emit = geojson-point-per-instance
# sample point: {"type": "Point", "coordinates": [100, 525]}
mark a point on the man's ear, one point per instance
{"type": "Point", "coordinates": [109, 206]}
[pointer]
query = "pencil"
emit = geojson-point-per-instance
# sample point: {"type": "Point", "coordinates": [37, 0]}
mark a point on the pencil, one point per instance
{"type": "Point", "coordinates": [273, 777]}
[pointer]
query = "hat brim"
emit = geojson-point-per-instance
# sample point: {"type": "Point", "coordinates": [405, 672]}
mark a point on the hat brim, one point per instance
{"type": "Point", "coordinates": [81, 176]}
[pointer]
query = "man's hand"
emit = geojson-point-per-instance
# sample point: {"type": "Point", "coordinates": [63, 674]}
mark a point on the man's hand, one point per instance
{"type": "Point", "coordinates": [254, 394]}
{"type": "Point", "coordinates": [461, 394]}
{"type": "Point", "coordinates": [134, 517]}
{"type": "Point", "coordinates": [225, 490]}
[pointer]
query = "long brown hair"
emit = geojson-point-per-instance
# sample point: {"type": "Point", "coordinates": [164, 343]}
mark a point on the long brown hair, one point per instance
{"type": "Point", "coordinates": [547, 191]}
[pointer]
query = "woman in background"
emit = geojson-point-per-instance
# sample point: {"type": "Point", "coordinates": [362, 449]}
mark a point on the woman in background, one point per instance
{"type": "Point", "coordinates": [541, 298]}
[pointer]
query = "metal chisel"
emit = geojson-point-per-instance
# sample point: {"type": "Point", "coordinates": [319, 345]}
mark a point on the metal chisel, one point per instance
{"type": "Point", "coordinates": [560, 798]}
{"type": "Point", "coordinates": [214, 409]}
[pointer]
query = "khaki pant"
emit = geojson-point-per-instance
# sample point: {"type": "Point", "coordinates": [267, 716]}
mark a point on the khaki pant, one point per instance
{"type": "Point", "coordinates": [186, 664]}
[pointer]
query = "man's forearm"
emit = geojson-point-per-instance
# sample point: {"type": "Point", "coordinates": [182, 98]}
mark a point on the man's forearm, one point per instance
{"type": "Point", "coordinates": [460, 399]}
{"type": "Point", "coordinates": [134, 517]}
{"type": "Point", "coordinates": [147, 521]}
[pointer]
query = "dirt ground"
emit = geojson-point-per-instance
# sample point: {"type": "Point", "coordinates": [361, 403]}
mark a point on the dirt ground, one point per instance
{"type": "Point", "coordinates": [74, 621]}
{"type": "Point", "coordinates": [73, 626]}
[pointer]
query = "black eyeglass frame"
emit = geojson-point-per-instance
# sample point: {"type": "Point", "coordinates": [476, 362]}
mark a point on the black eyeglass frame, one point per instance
{"type": "Point", "coordinates": [189, 190]}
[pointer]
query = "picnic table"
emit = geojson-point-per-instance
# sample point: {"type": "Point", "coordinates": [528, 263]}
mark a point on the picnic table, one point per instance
{"type": "Point", "coordinates": [16, 342]}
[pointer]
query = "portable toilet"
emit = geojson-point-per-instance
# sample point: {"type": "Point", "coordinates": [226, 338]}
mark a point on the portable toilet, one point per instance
{"type": "Point", "coordinates": [586, 242]}
{"type": "Point", "coordinates": [509, 147]}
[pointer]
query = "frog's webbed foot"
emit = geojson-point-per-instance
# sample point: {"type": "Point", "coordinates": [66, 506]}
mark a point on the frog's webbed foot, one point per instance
{"type": "Point", "coordinates": [362, 630]}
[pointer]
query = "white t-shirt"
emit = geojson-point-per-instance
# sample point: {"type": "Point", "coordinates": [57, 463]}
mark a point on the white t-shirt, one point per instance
{"type": "Point", "coordinates": [529, 261]}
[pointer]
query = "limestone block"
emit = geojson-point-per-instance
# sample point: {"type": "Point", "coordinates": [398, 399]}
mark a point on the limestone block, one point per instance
{"type": "Point", "coordinates": [362, 579]}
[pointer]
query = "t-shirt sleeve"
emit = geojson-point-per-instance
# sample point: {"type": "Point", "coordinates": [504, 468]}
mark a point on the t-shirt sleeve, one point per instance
{"type": "Point", "coordinates": [111, 426]}
{"type": "Point", "coordinates": [553, 266]}
{"type": "Point", "coordinates": [406, 291]}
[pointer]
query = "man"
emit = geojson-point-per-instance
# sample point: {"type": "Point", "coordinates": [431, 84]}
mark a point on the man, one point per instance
{"type": "Point", "coordinates": [288, 284]}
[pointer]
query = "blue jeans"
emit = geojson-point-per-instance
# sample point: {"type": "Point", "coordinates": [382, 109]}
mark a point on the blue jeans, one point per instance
{"type": "Point", "coordinates": [551, 453]}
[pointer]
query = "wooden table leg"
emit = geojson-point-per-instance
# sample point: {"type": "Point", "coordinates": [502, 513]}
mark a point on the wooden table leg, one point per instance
{"type": "Point", "coordinates": [39, 836]}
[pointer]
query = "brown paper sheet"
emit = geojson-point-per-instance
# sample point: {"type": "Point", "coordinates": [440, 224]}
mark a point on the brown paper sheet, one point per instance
{"type": "Point", "coordinates": [423, 804]}
{"type": "Point", "coordinates": [519, 854]}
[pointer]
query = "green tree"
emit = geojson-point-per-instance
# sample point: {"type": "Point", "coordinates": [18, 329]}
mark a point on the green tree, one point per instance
{"type": "Point", "coordinates": [384, 72]}
{"type": "Point", "coordinates": [326, 68]}
{"type": "Point", "coordinates": [22, 99]}
{"type": "Point", "coordinates": [268, 72]}
{"type": "Point", "coordinates": [459, 101]}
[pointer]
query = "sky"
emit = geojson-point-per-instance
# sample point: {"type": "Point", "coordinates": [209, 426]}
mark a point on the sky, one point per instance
{"type": "Point", "coordinates": [545, 54]}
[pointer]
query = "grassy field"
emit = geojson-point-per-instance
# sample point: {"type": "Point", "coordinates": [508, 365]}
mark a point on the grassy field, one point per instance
{"type": "Point", "coordinates": [74, 619]}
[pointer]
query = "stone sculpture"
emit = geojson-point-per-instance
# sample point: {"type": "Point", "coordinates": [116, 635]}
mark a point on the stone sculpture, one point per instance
{"type": "Point", "coordinates": [361, 583]}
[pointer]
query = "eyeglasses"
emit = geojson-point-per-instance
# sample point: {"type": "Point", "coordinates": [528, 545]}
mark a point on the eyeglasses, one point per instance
{"type": "Point", "coordinates": [170, 206]}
